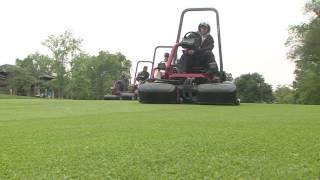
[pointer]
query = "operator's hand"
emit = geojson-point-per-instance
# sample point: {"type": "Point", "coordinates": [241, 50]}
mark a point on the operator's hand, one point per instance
{"type": "Point", "coordinates": [190, 51]}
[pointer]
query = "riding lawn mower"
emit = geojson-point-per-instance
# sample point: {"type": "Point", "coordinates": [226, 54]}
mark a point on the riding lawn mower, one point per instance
{"type": "Point", "coordinates": [200, 85]}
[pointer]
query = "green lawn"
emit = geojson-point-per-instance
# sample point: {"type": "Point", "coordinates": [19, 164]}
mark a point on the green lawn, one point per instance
{"type": "Point", "coordinates": [5, 96]}
{"type": "Point", "coordinates": [65, 139]}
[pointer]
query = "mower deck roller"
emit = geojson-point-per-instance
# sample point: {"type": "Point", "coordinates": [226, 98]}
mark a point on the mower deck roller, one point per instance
{"type": "Point", "coordinates": [121, 96]}
{"type": "Point", "coordinates": [213, 93]}
{"type": "Point", "coordinates": [157, 93]}
{"type": "Point", "coordinates": [218, 93]}
{"type": "Point", "coordinates": [111, 97]}
{"type": "Point", "coordinates": [126, 96]}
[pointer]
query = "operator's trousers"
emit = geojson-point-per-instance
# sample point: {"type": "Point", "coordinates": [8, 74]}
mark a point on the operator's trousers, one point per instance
{"type": "Point", "coordinates": [199, 59]}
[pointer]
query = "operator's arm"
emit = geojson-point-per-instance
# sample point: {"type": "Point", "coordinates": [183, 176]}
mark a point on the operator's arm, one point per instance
{"type": "Point", "coordinates": [147, 75]}
{"type": "Point", "coordinates": [208, 44]}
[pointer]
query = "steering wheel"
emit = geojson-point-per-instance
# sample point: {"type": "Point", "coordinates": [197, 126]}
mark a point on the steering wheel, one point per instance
{"type": "Point", "coordinates": [191, 40]}
{"type": "Point", "coordinates": [195, 34]}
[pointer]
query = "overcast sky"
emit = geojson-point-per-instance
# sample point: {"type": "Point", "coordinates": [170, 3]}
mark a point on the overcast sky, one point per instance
{"type": "Point", "coordinates": [253, 31]}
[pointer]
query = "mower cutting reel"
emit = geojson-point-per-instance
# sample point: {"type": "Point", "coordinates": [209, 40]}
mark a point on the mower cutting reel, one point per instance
{"type": "Point", "coordinates": [193, 86]}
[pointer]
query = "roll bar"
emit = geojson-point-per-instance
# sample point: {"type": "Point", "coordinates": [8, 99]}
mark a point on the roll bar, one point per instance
{"type": "Point", "coordinates": [218, 30]}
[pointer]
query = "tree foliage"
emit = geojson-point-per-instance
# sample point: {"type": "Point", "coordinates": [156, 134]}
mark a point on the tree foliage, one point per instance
{"type": "Point", "coordinates": [284, 95]}
{"type": "Point", "coordinates": [64, 48]}
{"type": "Point", "coordinates": [37, 64]}
{"type": "Point", "coordinates": [92, 76]}
{"type": "Point", "coordinates": [77, 75]}
{"type": "Point", "coordinates": [252, 88]}
{"type": "Point", "coordinates": [21, 81]}
{"type": "Point", "coordinates": [25, 75]}
{"type": "Point", "coordinates": [304, 43]}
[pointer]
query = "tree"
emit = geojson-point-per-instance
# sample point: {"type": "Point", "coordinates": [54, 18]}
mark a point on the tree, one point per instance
{"type": "Point", "coordinates": [64, 48]}
{"type": "Point", "coordinates": [252, 88]}
{"type": "Point", "coordinates": [80, 84]}
{"type": "Point", "coordinates": [313, 6]}
{"type": "Point", "coordinates": [78, 75]}
{"type": "Point", "coordinates": [304, 43]}
{"type": "Point", "coordinates": [25, 75]}
{"type": "Point", "coordinates": [37, 64]}
{"type": "Point", "coordinates": [92, 76]}
{"type": "Point", "coordinates": [21, 81]}
{"type": "Point", "coordinates": [284, 95]}
{"type": "Point", "coordinates": [105, 69]}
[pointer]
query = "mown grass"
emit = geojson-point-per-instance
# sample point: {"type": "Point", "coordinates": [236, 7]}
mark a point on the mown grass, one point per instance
{"type": "Point", "coordinates": [5, 96]}
{"type": "Point", "coordinates": [62, 139]}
